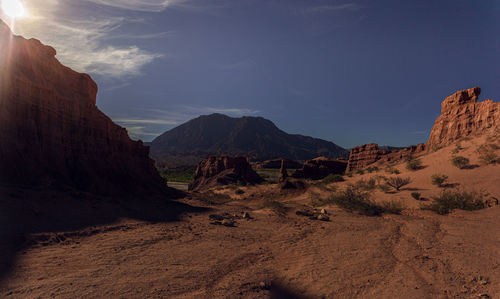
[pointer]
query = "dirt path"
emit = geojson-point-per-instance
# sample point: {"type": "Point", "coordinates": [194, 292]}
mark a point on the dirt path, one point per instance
{"type": "Point", "coordinates": [351, 256]}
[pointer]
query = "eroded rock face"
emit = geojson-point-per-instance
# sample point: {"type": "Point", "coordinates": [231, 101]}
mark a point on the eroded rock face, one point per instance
{"type": "Point", "coordinates": [461, 116]}
{"type": "Point", "coordinates": [319, 168]}
{"type": "Point", "coordinates": [223, 170]}
{"type": "Point", "coordinates": [276, 163]}
{"type": "Point", "coordinates": [52, 132]}
{"type": "Point", "coordinates": [368, 154]}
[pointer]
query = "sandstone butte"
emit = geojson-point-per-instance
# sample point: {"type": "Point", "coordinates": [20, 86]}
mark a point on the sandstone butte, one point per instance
{"type": "Point", "coordinates": [51, 131]}
{"type": "Point", "coordinates": [461, 116]}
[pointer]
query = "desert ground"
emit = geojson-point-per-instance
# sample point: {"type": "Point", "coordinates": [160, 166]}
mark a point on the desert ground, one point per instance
{"type": "Point", "coordinates": [154, 248]}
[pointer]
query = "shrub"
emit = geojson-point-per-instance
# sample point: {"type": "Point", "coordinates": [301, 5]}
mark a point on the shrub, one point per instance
{"type": "Point", "coordinates": [397, 182]}
{"type": "Point", "coordinates": [239, 191]}
{"type": "Point", "coordinates": [392, 170]}
{"type": "Point", "coordinates": [353, 199]}
{"type": "Point", "coordinates": [450, 200]}
{"type": "Point", "coordinates": [416, 195]}
{"type": "Point", "coordinates": [384, 188]}
{"type": "Point", "coordinates": [367, 185]}
{"type": "Point", "coordinates": [487, 153]}
{"type": "Point", "coordinates": [413, 164]}
{"type": "Point", "coordinates": [331, 178]}
{"type": "Point", "coordinates": [439, 179]}
{"type": "Point", "coordinates": [360, 171]}
{"type": "Point", "coordinates": [372, 169]}
{"type": "Point", "coordinates": [460, 162]}
{"type": "Point", "coordinates": [392, 207]}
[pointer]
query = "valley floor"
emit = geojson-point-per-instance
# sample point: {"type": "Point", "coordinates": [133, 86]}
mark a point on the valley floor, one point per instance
{"type": "Point", "coordinates": [394, 256]}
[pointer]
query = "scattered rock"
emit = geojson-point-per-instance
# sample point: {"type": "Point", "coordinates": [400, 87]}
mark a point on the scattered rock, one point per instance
{"type": "Point", "coordinates": [323, 211]}
{"type": "Point", "coordinates": [246, 215]}
{"type": "Point", "coordinates": [323, 217]}
{"type": "Point", "coordinates": [491, 202]}
{"type": "Point", "coordinates": [228, 222]}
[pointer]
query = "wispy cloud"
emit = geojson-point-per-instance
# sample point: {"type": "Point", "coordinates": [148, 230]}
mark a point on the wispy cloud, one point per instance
{"type": "Point", "coordinates": [329, 8]}
{"type": "Point", "coordinates": [83, 36]}
{"type": "Point", "coordinates": [139, 5]}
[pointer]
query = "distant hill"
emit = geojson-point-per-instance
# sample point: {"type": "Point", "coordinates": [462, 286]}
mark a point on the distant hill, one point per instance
{"type": "Point", "coordinates": [254, 137]}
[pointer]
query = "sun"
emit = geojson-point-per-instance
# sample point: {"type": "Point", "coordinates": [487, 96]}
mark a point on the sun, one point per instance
{"type": "Point", "coordinates": [13, 8]}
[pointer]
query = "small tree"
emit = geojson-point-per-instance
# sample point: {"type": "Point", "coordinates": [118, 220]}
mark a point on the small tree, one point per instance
{"type": "Point", "coordinates": [416, 195]}
{"type": "Point", "coordinates": [397, 182]}
{"type": "Point", "coordinates": [439, 179]}
{"type": "Point", "coordinates": [460, 162]}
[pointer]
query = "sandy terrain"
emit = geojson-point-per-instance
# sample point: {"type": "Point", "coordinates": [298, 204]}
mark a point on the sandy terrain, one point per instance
{"type": "Point", "coordinates": [107, 248]}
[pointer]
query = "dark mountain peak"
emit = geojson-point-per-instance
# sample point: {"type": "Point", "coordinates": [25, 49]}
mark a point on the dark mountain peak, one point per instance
{"type": "Point", "coordinates": [255, 137]}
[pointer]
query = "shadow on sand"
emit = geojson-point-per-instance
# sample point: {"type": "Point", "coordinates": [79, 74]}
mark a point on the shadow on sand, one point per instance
{"type": "Point", "coordinates": [29, 210]}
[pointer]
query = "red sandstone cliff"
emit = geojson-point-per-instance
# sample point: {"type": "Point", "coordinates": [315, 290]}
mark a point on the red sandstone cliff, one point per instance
{"type": "Point", "coordinates": [461, 116]}
{"type": "Point", "coordinates": [52, 132]}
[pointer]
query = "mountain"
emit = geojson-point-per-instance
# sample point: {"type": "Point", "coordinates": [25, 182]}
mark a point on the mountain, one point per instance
{"type": "Point", "coordinates": [254, 137]}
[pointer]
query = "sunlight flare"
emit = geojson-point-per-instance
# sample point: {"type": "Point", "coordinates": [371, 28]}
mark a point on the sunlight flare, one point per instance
{"type": "Point", "coordinates": [13, 8]}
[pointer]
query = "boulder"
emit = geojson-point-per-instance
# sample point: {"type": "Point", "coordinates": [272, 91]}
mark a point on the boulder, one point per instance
{"type": "Point", "coordinates": [319, 168]}
{"type": "Point", "coordinates": [223, 170]}
{"type": "Point", "coordinates": [52, 133]}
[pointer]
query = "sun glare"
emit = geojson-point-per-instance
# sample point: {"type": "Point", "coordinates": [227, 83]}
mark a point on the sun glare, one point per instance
{"type": "Point", "coordinates": [13, 8]}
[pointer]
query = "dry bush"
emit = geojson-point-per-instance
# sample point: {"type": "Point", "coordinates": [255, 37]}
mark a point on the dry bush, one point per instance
{"type": "Point", "coordinates": [397, 182]}
{"type": "Point", "coordinates": [439, 179]}
{"type": "Point", "coordinates": [450, 200]}
{"type": "Point", "coordinates": [460, 162]}
{"type": "Point", "coordinates": [487, 153]}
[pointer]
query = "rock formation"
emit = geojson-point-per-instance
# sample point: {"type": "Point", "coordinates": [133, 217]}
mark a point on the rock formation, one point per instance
{"type": "Point", "coordinates": [283, 172]}
{"type": "Point", "coordinates": [365, 155]}
{"type": "Point", "coordinates": [223, 170]}
{"type": "Point", "coordinates": [462, 115]}
{"type": "Point", "coordinates": [51, 131]}
{"type": "Point", "coordinates": [276, 164]}
{"type": "Point", "coordinates": [319, 168]}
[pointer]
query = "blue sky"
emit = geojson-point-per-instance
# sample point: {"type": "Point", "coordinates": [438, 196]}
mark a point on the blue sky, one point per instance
{"type": "Point", "coordinates": [349, 72]}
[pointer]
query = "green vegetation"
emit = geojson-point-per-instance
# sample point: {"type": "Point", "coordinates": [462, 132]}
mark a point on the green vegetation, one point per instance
{"type": "Point", "coordinates": [183, 174]}
{"type": "Point", "coordinates": [439, 179]}
{"type": "Point", "coordinates": [397, 182]}
{"type": "Point", "coordinates": [277, 207]}
{"type": "Point", "coordinates": [331, 178]}
{"type": "Point", "coordinates": [450, 200]}
{"type": "Point", "coordinates": [413, 164]}
{"type": "Point", "coordinates": [416, 195]}
{"type": "Point", "coordinates": [460, 162]}
{"type": "Point", "coordinates": [487, 153]}
{"type": "Point", "coordinates": [353, 199]}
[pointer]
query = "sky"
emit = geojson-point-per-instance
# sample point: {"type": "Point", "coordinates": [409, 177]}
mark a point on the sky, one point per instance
{"type": "Point", "coordinates": [351, 72]}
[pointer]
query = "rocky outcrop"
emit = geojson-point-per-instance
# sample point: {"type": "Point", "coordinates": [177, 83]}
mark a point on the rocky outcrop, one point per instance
{"type": "Point", "coordinates": [223, 170]}
{"type": "Point", "coordinates": [51, 131]}
{"type": "Point", "coordinates": [365, 155]}
{"type": "Point", "coordinates": [319, 168]}
{"type": "Point", "coordinates": [462, 115]}
{"type": "Point", "coordinates": [283, 172]}
{"type": "Point", "coordinates": [276, 164]}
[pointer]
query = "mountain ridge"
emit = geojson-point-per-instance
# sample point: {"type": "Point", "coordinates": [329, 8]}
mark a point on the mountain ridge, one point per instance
{"type": "Point", "coordinates": [255, 137]}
